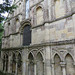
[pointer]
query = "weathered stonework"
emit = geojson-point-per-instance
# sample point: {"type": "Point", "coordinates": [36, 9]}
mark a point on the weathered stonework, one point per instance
{"type": "Point", "coordinates": [51, 49]}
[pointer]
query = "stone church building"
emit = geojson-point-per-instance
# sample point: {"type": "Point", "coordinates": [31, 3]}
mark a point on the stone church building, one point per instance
{"type": "Point", "coordinates": [39, 38]}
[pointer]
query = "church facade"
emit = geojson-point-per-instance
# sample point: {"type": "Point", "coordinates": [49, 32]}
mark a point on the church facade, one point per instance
{"type": "Point", "coordinates": [39, 38]}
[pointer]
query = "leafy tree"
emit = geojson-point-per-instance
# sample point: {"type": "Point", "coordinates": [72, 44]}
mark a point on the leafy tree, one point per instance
{"type": "Point", "coordinates": [5, 7]}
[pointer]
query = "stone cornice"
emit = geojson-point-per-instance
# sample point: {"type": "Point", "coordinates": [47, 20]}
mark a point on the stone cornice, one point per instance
{"type": "Point", "coordinates": [65, 42]}
{"type": "Point", "coordinates": [10, 34]}
{"type": "Point", "coordinates": [54, 20]}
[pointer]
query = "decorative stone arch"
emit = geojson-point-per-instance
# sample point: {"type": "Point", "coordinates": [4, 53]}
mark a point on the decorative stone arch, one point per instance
{"type": "Point", "coordinates": [69, 54]}
{"type": "Point", "coordinates": [17, 25]}
{"type": "Point", "coordinates": [5, 62]}
{"type": "Point", "coordinates": [23, 24]}
{"type": "Point", "coordinates": [31, 64]}
{"type": "Point", "coordinates": [31, 53]}
{"type": "Point", "coordinates": [39, 17]}
{"type": "Point", "coordinates": [57, 66]}
{"type": "Point", "coordinates": [56, 53]}
{"type": "Point", "coordinates": [18, 52]}
{"type": "Point", "coordinates": [25, 31]}
{"type": "Point", "coordinates": [39, 64]}
{"type": "Point", "coordinates": [40, 5]}
{"type": "Point", "coordinates": [41, 54]}
{"type": "Point", "coordinates": [4, 54]}
{"type": "Point", "coordinates": [70, 69]}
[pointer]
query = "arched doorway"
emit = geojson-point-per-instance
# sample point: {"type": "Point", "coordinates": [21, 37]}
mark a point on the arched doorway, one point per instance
{"type": "Point", "coordinates": [27, 35]}
{"type": "Point", "coordinates": [40, 65]}
{"type": "Point", "coordinates": [57, 66]}
{"type": "Point", "coordinates": [30, 65]}
{"type": "Point", "coordinates": [13, 63]}
{"type": "Point", "coordinates": [19, 64]}
{"type": "Point", "coordinates": [70, 69]}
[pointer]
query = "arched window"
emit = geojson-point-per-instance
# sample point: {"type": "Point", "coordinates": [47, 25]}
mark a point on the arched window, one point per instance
{"type": "Point", "coordinates": [27, 9]}
{"type": "Point", "coordinates": [40, 65]}
{"type": "Point", "coordinates": [57, 66]}
{"type": "Point", "coordinates": [57, 8]}
{"type": "Point", "coordinates": [39, 14]}
{"type": "Point", "coordinates": [19, 64]}
{"type": "Point", "coordinates": [27, 35]}
{"type": "Point", "coordinates": [70, 69]}
{"type": "Point", "coordinates": [30, 65]}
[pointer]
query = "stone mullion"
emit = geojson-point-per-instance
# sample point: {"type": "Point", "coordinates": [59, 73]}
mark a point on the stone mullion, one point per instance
{"type": "Point", "coordinates": [53, 69]}
{"type": "Point", "coordinates": [16, 72]}
{"type": "Point", "coordinates": [63, 66]}
{"type": "Point", "coordinates": [5, 65]}
{"type": "Point", "coordinates": [27, 62]}
{"type": "Point", "coordinates": [10, 64]}
{"type": "Point", "coordinates": [44, 69]}
{"type": "Point", "coordinates": [35, 68]}
{"type": "Point", "coordinates": [47, 61]}
{"type": "Point", "coordinates": [23, 68]}
{"type": "Point", "coordinates": [24, 62]}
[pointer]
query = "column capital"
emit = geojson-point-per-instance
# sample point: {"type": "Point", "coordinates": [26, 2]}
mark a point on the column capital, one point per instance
{"type": "Point", "coordinates": [62, 64]}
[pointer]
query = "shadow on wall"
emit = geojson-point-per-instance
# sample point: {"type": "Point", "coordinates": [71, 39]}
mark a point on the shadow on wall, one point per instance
{"type": "Point", "coordinates": [1, 73]}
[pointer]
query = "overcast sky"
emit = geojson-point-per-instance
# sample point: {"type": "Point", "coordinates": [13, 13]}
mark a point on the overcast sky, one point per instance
{"type": "Point", "coordinates": [1, 1]}
{"type": "Point", "coordinates": [5, 14]}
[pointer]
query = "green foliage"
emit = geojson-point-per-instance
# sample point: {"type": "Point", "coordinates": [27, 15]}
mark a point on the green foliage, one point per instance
{"type": "Point", "coordinates": [5, 7]}
{"type": "Point", "coordinates": [1, 33]}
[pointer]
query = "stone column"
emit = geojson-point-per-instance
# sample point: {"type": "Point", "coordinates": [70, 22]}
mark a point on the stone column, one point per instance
{"type": "Point", "coordinates": [23, 68]}
{"type": "Point", "coordinates": [9, 65]}
{"type": "Point", "coordinates": [24, 62]}
{"type": "Point", "coordinates": [63, 68]}
{"type": "Point", "coordinates": [52, 68]}
{"type": "Point", "coordinates": [16, 72]}
{"type": "Point", "coordinates": [35, 68]}
{"type": "Point", "coordinates": [47, 61]}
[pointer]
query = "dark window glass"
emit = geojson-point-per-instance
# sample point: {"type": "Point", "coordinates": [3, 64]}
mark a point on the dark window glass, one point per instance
{"type": "Point", "coordinates": [27, 35]}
